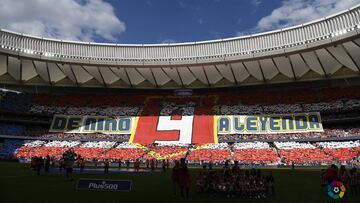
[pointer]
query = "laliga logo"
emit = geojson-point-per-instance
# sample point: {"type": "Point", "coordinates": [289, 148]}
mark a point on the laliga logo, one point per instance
{"type": "Point", "coordinates": [336, 190]}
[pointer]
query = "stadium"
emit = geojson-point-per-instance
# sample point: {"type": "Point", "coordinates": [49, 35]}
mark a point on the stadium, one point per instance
{"type": "Point", "coordinates": [286, 102]}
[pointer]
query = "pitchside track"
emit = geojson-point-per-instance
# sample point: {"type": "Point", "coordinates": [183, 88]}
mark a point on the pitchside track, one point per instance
{"type": "Point", "coordinates": [19, 184]}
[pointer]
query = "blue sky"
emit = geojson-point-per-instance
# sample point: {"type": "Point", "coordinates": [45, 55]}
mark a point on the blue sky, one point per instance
{"type": "Point", "coordinates": [154, 21]}
{"type": "Point", "coordinates": [158, 21]}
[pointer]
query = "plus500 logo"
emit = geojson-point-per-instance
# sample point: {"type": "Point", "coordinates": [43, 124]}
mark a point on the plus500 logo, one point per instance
{"type": "Point", "coordinates": [103, 186]}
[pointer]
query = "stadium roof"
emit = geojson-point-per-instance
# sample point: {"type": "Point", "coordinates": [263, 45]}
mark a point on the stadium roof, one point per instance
{"type": "Point", "coordinates": [322, 49]}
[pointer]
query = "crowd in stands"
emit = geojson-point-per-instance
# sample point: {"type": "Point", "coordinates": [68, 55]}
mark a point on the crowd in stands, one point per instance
{"type": "Point", "coordinates": [247, 153]}
{"type": "Point", "coordinates": [186, 109]}
{"type": "Point", "coordinates": [212, 152]}
{"type": "Point", "coordinates": [90, 111]}
{"type": "Point", "coordinates": [168, 151]}
{"type": "Point", "coordinates": [259, 153]}
{"type": "Point", "coordinates": [9, 148]}
{"type": "Point", "coordinates": [39, 148]}
{"type": "Point", "coordinates": [328, 133]}
{"type": "Point", "coordinates": [323, 107]}
{"type": "Point", "coordinates": [94, 150]}
{"type": "Point", "coordinates": [124, 151]}
{"type": "Point", "coordinates": [342, 152]}
{"type": "Point", "coordinates": [11, 129]}
{"type": "Point", "coordinates": [328, 101]}
{"type": "Point", "coordinates": [230, 102]}
{"type": "Point", "coordinates": [43, 132]}
{"type": "Point", "coordinates": [302, 154]}
{"type": "Point", "coordinates": [167, 108]}
{"type": "Point", "coordinates": [16, 102]}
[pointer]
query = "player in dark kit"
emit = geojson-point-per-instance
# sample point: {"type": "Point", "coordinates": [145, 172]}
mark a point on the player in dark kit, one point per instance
{"type": "Point", "coordinates": [69, 158]}
{"type": "Point", "coordinates": [127, 164]}
{"type": "Point", "coordinates": [39, 163]}
{"type": "Point", "coordinates": [137, 165]}
{"type": "Point", "coordinates": [106, 166]}
{"type": "Point", "coordinates": [82, 164]}
{"type": "Point", "coordinates": [163, 165]}
{"type": "Point", "coordinates": [175, 176]}
{"type": "Point", "coordinates": [152, 164]}
{"type": "Point", "coordinates": [47, 164]}
{"type": "Point", "coordinates": [184, 179]}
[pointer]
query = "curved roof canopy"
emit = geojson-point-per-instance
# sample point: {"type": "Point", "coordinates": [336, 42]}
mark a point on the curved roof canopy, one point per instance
{"type": "Point", "coordinates": [325, 48]}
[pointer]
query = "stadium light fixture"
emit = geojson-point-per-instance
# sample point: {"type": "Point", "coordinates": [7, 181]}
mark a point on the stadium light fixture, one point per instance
{"type": "Point", "coordinates": [47, 54]}
{"type": "Point", "coordinates": [28, 51]}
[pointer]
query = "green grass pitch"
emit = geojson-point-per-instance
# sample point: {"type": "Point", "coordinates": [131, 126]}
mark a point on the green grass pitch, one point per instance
{"type": "Point", "coordinates": [20, 184]}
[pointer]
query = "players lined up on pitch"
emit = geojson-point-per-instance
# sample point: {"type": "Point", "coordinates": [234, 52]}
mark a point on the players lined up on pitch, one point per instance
{"type": "Point", "coordinates": [231, 181]}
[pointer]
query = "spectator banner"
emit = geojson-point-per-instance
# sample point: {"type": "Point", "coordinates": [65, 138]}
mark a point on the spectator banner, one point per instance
{"type": "Point", "coordinates": [92, 124]}
{"type": "Point", "coordinates": [266, 124]}
{"type": "Point", "coordinates": [104, 185]}
{"type": "Point", "coordinates": [194, 129]}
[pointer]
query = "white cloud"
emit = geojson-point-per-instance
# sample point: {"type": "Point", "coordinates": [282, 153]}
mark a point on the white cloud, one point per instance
{"type": "Point", "coordinates": [293, 12]}
{"type": "Point", "coordinates": [256, 2]}
{"type": "Point", "coordinates": [83, 20]}
{"type": "Point", "coordinates": [242, 33]}
{"type": "Point", "coordinates": [168, 41]}
{"type": "Point", "coordinates": [182, 4]}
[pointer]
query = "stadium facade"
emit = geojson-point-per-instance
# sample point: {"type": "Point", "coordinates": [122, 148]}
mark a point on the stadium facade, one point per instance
{"type": "Point", "coordinates": [326, 48]}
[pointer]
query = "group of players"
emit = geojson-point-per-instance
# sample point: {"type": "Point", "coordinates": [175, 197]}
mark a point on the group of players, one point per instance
{"type": "Point", "coordinates": [233, 182]}
{"type": "Point", "coordinates": [66, 162]}
{"type": "Point", "coordinates": [180, 174]}
{"type": "Point", "coordinates": [70, 159]}
{"type": "Point", "coordinates": [151, 164]}
{"type": "Point", "coordinates": [37, 163]}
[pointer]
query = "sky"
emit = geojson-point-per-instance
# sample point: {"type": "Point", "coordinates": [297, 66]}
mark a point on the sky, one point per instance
{"type": "Point", "coordinates": [159, 21]}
